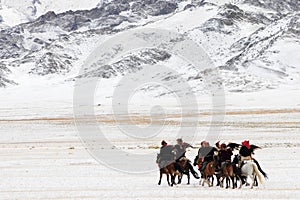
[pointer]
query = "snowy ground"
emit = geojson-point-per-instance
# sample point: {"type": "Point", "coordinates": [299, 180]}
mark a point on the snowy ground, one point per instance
{"type": "Point", "coordinates": [42, 157]}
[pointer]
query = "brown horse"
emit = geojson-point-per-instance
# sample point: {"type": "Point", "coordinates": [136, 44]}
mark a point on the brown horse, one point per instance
{"type": "Point", "coordinates": [169, 170]}
{"type": "Point", "coordinates": [208, 172]}
{"type": "Point", "coordinates": [227, 173]}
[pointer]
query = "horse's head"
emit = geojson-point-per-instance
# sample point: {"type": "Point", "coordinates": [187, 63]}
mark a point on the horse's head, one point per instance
{"type": "Point", "coordinates": [236, 159]}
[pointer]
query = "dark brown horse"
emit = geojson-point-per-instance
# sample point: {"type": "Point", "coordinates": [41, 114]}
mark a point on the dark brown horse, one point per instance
{"type": "Point", "coordinates": [183, 163]}
{"type": "Point", "coordinates": [187, 167]}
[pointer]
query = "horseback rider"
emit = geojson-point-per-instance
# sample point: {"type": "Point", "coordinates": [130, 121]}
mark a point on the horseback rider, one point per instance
{"type": "Point", "coordinates": [246, 153]}
{"type": "Point", "coordinates": [197, 158]}
{"type": "Point", "coordinates": [180, 148]}
{"type": "Point", "coordinates": [205, 154]}
{"type": "Point", "coordinates": [224, 155]}
{"type": "Point", "coordinates": [167, 155]}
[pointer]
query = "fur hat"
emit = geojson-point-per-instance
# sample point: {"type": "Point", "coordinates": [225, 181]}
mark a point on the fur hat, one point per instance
{"type": "Point", "coordinates": [179, 140]}
{"type": "Point", "coordinates": [246, 143]}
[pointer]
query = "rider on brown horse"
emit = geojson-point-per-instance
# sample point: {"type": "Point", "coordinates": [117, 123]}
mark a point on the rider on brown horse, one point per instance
{"type": "Point", "coordinates": [167, 155]}
{"type": "Point", "coordinates": [224, 155]}
{"type": "Point", "coordinates": [180, 148]}
{"type": "Point", "coordinates": [206, 154]}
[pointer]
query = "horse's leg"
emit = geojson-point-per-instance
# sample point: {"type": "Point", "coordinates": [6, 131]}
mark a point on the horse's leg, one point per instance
{"type": "Point", "coordinates": [201, 177]}
{"type": "Point", "coordinates": [222, 176]}
{"type": "Point", "coordinates": [160, 176]}
{"type": "Point", "coordinates": [207, 180]}
{"type": "Point", "coordinates": [204, 179]}
{"type": "Point", "coordinates": [173, 176]}
{"type": "Point", "coordinates": [241, 182]}
{"type": "Point", "coordinates": [226, 175]}
{"type": "Point", "coordinates": [168, 179]}
{"type": "Point", "coordinates": [218, 179]}
{"type": "Point", "coordinates": [252, 184]}
{"type": "Point", "coordinates": [233, 183]}
{"type": "Point", "coordinates": [179, 178]}
{"type": "Point", "coordinates": [210, 183]}
{"type": "Point", "coordinates": [247, 179]}
{"type": "Point", "coordinates": [255, 181]}
{"type": "Point", "coordinates": [222, 181]}
{"type": "Point", "coordinates": [188, 177]}
{"type": "Point", "coordinates": [236, 181]}
{"type": "Point", "coordinates": [228, 182]}
{"type": "Point", "coordinates": [172, 179]}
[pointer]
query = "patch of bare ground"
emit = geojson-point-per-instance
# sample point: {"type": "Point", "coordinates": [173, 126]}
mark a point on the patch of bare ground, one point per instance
{"type": "Point", "coordinates": [147, 119]}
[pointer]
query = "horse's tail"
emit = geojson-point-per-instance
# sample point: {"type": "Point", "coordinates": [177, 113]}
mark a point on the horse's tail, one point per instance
{"type": "Point", "coordinates": [257, 172]}
{"type": "Point", "coordinates": [195, 174]}
{"type": "Point", "coordinates": [260, 169]}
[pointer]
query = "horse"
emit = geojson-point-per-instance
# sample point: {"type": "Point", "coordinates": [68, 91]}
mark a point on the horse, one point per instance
{"type": "Point", "coordinates": [239, 174]}
{"type": "Point", "coordinates": [227, 172]}
{"type": "Point", "coordinates": [170, 170]}
{"type": "Point", "coordinates": [208, 172]}
{"type": "Point", "coordinates": [249, 169]}
{"type": "Point", "coordinates": [187, 167]}
{"type": "Point", "coordinates": [237, 170]}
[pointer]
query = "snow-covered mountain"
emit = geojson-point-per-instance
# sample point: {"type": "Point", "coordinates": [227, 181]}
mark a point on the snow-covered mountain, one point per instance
{"type": "Point", "coordinates": [14, 12]}
{"type": "Point", "coordinates": [254, 44]}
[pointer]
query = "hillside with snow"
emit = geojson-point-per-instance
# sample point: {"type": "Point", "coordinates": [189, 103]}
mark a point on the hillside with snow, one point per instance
{"type": "Point", "coordinates": [253, 43]}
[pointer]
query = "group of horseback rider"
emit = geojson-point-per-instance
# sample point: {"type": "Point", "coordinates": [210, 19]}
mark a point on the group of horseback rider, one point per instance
{"type": "Point", "coordinates": [174, 153]}
{"type": "Point", "coordinates": [221, 153]}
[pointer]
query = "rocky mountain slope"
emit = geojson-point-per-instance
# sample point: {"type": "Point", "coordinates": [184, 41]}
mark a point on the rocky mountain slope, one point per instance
{"type": "Point", "coordinates": [253, 43]}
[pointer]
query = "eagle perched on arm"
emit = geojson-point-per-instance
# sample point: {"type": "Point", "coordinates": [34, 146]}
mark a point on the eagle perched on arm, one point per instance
{"type": "Point", "coordinates": [235, 146]}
